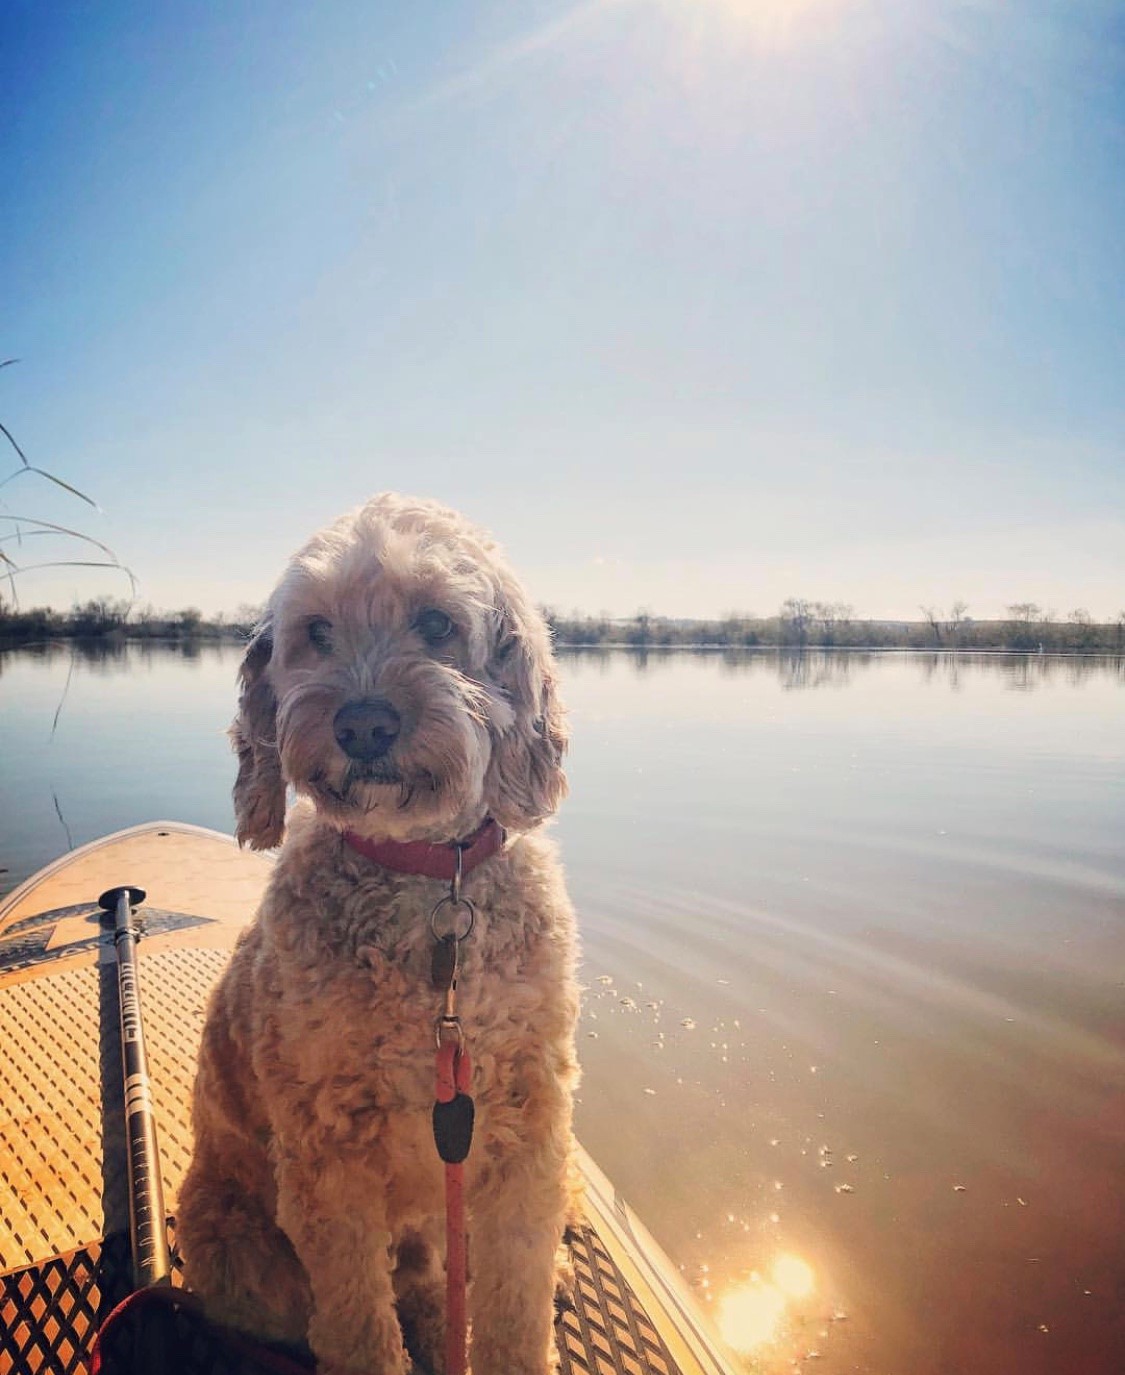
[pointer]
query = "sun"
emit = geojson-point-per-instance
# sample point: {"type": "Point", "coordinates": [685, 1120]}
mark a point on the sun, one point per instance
{"type": "Point", "coordinates": [773, 23]}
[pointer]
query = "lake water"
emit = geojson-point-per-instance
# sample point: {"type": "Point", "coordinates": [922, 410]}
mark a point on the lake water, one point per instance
{"type": "Point", "coordinates": [854, 930]}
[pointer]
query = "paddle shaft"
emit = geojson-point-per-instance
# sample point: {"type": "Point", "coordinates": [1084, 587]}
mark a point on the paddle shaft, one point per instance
{"type": "Point", "coordinates": [147, 1233]}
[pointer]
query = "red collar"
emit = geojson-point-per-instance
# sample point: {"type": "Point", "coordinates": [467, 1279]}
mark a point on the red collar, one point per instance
{"type": "Point", "coordinates": [432, 861]}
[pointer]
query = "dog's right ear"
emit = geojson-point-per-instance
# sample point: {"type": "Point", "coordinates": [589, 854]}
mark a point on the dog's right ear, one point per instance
{"type": "Point", "coordinates": [259, 790]}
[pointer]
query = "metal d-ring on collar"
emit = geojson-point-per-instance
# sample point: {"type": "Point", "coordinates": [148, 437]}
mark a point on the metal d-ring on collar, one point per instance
{"type": "Point", "coordinates": [454, 900]}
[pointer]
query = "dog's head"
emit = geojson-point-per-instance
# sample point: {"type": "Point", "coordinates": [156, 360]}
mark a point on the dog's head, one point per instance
{"type": "Point", "coordinates": [402, 681]}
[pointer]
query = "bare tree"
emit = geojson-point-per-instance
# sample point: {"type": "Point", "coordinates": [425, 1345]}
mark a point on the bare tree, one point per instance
{"type": "Point", "coordinates": [845, 613]}
{"type": "Point", "coordinates": [946, 629]}
{"type": "Point", "coordinates": [957, 618]}
{"type": "Point", "coordinates": [1025, 613]}
{"type": "Point", "coordinates": [1083, 624]}
{"type": "Point", "coordinates": [933, 620]}
{"type": "Point", "coordinates": [832, 618]}
{"type": "Point", "coordinates": [1024, 618]}
{"type": "Point", "coordinates": [641, 631]}
{"type": "Point", "coordinates": [99, 616]}
{"type": "Point", "coordinates": [795, 616]}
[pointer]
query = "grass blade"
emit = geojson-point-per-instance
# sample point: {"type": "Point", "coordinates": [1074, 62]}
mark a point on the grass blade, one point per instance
{"type": "Point", "coordinates": [47, 527]}
{"type": "Point", "coordinates": [42, 472]}
{"type": "Point", "coordinates": [12, 441]}
{"type": "Point", "coordinates": [62, 699]}
{"type": "Point", "coordinates": [78, 563]}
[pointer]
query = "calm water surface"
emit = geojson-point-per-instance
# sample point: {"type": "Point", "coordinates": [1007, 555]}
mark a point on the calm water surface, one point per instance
{"type": "Point", "coordinates": [854, 928]}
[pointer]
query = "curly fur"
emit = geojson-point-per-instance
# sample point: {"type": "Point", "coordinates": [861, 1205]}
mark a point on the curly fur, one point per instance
{"type": "Point", "coordinates": [312, 1209]}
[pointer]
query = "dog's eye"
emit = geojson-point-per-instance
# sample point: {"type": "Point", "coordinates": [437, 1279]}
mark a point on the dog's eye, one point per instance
{"type": "Point", "coordinates": [320, 634]}
{"type": "Point", "coordinates": [434, 626]}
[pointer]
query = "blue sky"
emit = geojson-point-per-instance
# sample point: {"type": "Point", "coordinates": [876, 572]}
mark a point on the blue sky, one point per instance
{"type": "Point", "coordinates": [698, 304]}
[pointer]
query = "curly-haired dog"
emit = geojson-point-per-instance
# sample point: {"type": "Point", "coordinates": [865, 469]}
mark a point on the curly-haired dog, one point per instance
{"type": "Point", "coordinates": [403, 685]}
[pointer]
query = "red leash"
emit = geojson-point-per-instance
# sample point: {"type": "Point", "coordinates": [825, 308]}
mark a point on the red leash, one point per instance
{"type": "Point", "coordinates": [453, 1128]}
{"type": "Point", "coordinates": [451, 922]}
{"type": "Point", "coordinates": [453, 1108]}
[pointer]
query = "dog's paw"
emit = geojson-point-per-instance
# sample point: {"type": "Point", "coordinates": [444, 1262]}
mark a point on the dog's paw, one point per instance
{"type": "Point", "coordinates": [423, 1329]}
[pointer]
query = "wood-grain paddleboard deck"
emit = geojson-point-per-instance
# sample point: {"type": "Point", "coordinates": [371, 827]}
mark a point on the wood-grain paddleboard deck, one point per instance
{"type": "Point", "coordinates": [64, 1251]}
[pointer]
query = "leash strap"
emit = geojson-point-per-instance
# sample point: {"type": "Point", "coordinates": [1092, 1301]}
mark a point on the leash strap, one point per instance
{"type": "Point", "coordinates": [453, 1130]}
{"type": "Point", "coordinates": [453, 1110]}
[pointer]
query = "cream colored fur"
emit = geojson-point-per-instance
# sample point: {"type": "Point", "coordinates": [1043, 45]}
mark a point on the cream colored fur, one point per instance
{"type": "Point", "coordinates": [313, 1207]}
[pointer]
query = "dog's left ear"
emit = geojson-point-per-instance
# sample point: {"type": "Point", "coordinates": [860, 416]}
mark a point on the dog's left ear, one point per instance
{"type": "Point", "coordinates": [525, 780]}
{"type": "Point", "coordinates": [259, 790]}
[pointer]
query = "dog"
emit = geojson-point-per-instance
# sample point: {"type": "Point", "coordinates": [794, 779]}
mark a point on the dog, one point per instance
{"type": "Point", "coordinates": [402, 684]}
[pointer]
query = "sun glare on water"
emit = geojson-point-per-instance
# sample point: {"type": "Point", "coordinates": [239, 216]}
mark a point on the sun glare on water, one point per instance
{"type": "Point", "coordinates": [751, 1315]}
{"type": "Point", "coordinates": [793, 1276]}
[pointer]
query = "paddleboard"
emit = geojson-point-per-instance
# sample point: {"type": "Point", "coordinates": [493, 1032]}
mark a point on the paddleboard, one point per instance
{"type": "Point", "coordinates": [64, 1242]}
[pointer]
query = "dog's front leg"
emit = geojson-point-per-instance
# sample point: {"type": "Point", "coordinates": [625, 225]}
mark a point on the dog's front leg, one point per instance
{"type": "Point", "coordinates": [518, 1204]}
{"type": "Point", "coordinates": [335, 1216]}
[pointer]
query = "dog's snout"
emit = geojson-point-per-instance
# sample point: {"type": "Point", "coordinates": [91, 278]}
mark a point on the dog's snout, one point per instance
{"type": "Point", "coordinates": [366, 730]}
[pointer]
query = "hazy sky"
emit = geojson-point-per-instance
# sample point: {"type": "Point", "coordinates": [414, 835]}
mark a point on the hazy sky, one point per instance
{"type": "Point", "coordinates": [697, 304]}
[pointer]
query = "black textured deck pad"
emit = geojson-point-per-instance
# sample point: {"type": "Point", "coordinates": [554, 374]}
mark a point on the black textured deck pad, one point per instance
{"type": "Point", "coordinates": [607, 1333]}
{"type": "Point", "coordinates": [50, 1312]}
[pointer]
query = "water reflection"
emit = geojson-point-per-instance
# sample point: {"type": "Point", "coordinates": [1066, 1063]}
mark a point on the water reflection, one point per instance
{"type": "Point", "coordinates": [107, 655]}
{"type": "Point", "coordinates": [793, 669]}
{"type": "Point", "coordinates": [837, 668]}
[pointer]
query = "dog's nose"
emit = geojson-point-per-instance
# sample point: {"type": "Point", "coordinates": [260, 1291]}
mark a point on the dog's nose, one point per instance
{"type": "Point", "coordinates": [366, 730]}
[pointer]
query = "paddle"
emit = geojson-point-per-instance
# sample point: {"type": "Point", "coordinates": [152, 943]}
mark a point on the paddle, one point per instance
{"type": "Point", "coordinates": [154, 1340]}
{"type": "Point", "coordinates": [148, 1238]}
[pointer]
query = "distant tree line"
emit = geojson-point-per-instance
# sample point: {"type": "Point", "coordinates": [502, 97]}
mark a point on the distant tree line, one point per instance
{"type": "Point", "coordinates": [801, 624]}
{"type": "Point", "coordinates": [106, 618]}
{"type": "Point", "coordinates": [798, 624]}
